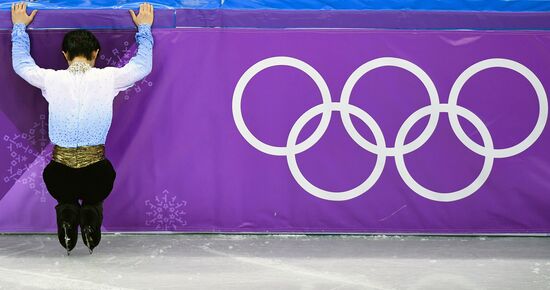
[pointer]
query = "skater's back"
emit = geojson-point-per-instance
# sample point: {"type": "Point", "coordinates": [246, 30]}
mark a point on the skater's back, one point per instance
{"type": "Point", "coordinates": [80, 97]}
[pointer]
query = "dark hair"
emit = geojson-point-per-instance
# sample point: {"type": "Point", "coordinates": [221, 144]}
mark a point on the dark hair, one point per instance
{"type": "Point", "coordinates": [80, 43]}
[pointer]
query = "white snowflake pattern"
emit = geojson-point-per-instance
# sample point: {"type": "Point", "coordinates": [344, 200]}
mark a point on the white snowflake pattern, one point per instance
{"type": "Point", "coordinates": [120, 57]}
{"type": "Point", "coordinates": [27, 159]}
{"type": "Point", "coordinates": [166, 213]}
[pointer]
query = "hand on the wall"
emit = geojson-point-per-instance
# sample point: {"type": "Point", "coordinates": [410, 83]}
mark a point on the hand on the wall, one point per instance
{"type": "Point", "coordinates": [145, 14]}
{"type": "Point", "coordinates": [19, 13]}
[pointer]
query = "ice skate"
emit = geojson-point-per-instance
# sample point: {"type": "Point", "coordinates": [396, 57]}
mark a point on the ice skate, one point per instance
{"type": "Point", "coordinates": [91, 217]}
{"type": "Point", "coordinates": [67, 225]}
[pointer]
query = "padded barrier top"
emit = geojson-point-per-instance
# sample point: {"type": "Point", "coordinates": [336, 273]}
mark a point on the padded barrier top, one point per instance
{"type": "Point", "coordinates": [441, 5]}
{"type": "Point", "coordinates": [378, 14]}
{"type": "Point", "coordinates": [447, 5]}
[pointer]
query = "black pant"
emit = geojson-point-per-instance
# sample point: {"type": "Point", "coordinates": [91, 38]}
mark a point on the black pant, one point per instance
{"type": "Point", "coordinates": [92, 183]}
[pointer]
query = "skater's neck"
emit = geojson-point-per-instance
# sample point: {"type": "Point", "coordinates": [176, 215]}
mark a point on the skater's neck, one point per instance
{"type": "Point", "coordinates": [82, 60]}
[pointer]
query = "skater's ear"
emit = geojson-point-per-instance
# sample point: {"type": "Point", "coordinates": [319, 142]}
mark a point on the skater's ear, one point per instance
{"type": "Point", "coordinates": [94, 56]}
{"type": "Point", "coordinates": [65, 55]}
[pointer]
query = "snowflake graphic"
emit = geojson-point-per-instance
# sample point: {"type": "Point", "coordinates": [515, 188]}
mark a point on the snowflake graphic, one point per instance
{"type": "Point", "coordinates": [165, 212]}
{"type": "Point", "coordinates": [26, 159]}
{"type": "Point", "coordinates": [120, 57]}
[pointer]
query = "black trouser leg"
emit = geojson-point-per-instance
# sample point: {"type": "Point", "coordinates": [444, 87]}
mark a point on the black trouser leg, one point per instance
{"type": "Point", "coordinates": [96, 182]}
{"type": "Point", "coordinates": [61, 182]}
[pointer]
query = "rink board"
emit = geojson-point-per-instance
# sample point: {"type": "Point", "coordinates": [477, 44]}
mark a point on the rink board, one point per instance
{"type": "Point", "coordinates": [186, 161]}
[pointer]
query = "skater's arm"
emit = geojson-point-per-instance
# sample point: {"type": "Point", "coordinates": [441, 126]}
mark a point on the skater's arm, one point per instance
{"type": "Point", "coordinates": [22, 61]}
{"type": "Point", "coordinates": [142, 63]}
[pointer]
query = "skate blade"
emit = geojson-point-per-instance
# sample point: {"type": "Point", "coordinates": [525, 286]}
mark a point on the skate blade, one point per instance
{"type": "Point", "coordinates": [88, 240]}
{"type": "Point", "coordinates": [67, 239]}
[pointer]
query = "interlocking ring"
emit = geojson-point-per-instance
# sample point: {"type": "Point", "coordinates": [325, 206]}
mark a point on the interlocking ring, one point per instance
{"type": "Point", "coordinates": [433, 109]}
{"type": "Point", "coordinates": [522, 70]}
{"type": "Point", "coordinates": [238, 115]}
{"type": "Point", "coordinates": [430, 194]}
{"type": "Point", "coordinates": [416, 71]}
{"type": "Point", "coordinates": [321, 193]}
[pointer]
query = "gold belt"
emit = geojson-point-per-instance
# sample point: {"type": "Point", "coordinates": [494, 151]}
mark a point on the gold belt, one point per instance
{"type": "Point", "coordinates": [78, 157]}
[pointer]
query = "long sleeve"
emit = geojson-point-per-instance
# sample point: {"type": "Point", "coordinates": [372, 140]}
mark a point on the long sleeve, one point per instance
{"type": "Point", "coordinates": [140, 65]}
{"type": "Point", "coordinates": [22, 61]}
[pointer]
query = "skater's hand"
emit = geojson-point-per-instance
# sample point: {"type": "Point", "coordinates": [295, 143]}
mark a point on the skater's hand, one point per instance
{"type": "Point", "coordinates": [145, 15]}
{"type": "Point", "coordinates": [19, 13]}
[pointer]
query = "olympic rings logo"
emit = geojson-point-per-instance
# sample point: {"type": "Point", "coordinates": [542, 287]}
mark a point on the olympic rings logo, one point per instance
{"type": "Point", "coordinates": [434, 109]}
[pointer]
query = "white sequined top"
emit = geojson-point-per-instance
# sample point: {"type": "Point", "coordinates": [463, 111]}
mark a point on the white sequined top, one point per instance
{"type": "Point", "coordinates": [80, 98]}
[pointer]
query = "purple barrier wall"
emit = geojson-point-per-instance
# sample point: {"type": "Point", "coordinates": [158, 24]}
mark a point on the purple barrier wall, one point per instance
{"type": "Point", "coordinates": [186, 161]}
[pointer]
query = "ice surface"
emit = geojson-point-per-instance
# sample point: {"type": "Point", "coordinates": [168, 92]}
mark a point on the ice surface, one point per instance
{"type": "Point", "coordinates": [276, 262]}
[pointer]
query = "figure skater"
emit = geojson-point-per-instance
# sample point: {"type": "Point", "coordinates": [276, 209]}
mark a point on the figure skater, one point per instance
{"type": "Point", "coordinates": [80, 113]}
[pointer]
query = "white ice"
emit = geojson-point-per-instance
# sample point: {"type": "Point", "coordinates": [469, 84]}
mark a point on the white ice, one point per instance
{"type": "Point", "coordinates": [266, 262]}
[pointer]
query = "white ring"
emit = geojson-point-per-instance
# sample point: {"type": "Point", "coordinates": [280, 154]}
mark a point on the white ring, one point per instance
{"type": "Point", "coordinates": [430, 194]}
{"type": "Point", "coordinates": [238, 94]}
{"type": "Point", "coordinates": [525, 72]}
{"type": "Point", "coordinates": [325, 194]}
{"type": "Point", "coordinates": [416, 71]}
